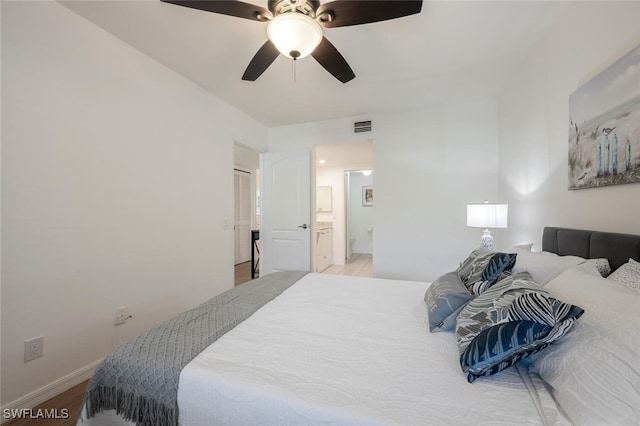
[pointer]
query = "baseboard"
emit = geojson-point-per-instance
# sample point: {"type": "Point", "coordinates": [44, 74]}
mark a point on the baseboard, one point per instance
{"type": "Point", "coordinates": [38, 396]}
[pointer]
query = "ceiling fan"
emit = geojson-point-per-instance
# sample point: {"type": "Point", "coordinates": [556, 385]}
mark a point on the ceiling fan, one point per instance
{"type": "Point", "coordinates": [295, 27]}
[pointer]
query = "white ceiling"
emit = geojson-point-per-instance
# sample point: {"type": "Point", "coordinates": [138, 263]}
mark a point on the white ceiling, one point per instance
{"type": "Point", "coordinates": [452, 51]}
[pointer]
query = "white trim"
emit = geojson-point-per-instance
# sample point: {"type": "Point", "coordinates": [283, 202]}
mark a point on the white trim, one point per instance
{"type": "Point", "coordinates": [38, 396]}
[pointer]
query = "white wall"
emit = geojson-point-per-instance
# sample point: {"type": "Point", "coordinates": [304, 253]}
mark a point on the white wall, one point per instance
{"type": "Point", "coordinates": [428, 164]}
{"type": "Point", "coordinates": [116, 184]}
{"type": "Point", "coordinates": [534, 126]}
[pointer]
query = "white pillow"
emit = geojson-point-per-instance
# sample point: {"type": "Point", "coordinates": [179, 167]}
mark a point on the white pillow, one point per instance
{"type": "Point", "coordinates": [628, 275]}
{"type": "Point", "coordinates": [543, 266]}
{"type": "Point", "coordinates": [525, 247]}
{"type": "Point", "coordinates": [603, 266]}
{"type": "Point", "coordinates": [594, 369]}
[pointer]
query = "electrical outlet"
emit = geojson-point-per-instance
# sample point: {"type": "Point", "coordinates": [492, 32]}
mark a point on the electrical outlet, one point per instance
{"type": "Point", "coordinates": [122, 315]}
{"type": "Point", "coordinates": [33, 348]}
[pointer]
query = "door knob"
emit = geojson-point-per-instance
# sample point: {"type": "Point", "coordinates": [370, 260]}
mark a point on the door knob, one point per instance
{"type": "Point", "coordinates": [303, 226]}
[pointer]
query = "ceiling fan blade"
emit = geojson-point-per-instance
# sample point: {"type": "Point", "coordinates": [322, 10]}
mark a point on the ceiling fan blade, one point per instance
{"type": "Point", "coordinates": [342, 13]}
{"type": "Point", "coordinates": [329, 57]}
{"type": "Point", "coordinates": [261, 61]}
{"type": "Point", "coordinates": [227, 7]}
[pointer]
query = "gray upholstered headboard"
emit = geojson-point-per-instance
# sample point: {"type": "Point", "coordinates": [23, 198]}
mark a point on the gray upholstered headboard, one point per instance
{"type": "Point", "coordinates": [618, 248]}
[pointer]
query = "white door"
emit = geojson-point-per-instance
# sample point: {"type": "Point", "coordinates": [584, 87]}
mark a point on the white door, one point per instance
{"type": "Point", "coordinates": [286, 217]}
{"type": "Point", "coordinates": [242, 216]}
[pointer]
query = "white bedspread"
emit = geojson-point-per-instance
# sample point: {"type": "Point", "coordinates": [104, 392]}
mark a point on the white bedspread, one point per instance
{"type": "Point", "coordinates": [346, 350]}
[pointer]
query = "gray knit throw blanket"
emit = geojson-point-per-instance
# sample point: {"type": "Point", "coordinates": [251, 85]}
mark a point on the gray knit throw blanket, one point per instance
{"type": "Point", "coordinates": [140, 378]}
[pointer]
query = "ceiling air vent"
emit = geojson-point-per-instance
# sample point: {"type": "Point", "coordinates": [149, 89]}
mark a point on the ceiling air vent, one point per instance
{"type": "Point", "coordinates": [362, 126]}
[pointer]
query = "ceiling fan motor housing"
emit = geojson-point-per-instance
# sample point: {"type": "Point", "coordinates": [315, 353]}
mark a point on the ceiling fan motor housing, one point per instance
{"type": "Point", "coordinates": [307, 7]}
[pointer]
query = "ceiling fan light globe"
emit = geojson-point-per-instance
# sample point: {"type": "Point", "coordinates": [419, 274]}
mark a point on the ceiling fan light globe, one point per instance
{"type": "Point", "coordinates": [294, 34]}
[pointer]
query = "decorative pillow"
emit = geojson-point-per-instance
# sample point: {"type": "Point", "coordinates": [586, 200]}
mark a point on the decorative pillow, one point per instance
{"type": "Point", "coordinates": [523, 247]}
{"type": "Point", "coordinates": [484, 311]}
{"type": "Point", "coordinates": [594, 370]}
{"type": "Point", "coordinates": [544, 266]}
{"type": "Point", "coordinates": [483, 268]}
{"type": "Point", "coordinates": [602, 265]}
{"type": "Point", "coordinates": [508, 322]}
{"type": "Point", "coordinates": [628, 275]}
{"type": "Point", "coordinates": [445, 297]}
{"type": "Point", "coordinates": [499, 267]}
{"type": "Point", "coordinates": [472, 267]}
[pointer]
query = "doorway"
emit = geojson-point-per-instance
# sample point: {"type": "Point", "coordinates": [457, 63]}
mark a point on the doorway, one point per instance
{"type": "Point", "coordinates": [246, 177]}
{"type": "Point", "coordinates": [333, 162]}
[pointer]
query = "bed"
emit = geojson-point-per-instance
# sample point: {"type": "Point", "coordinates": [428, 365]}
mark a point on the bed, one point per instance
{"type": "Point", "coordinates": [305, 348]}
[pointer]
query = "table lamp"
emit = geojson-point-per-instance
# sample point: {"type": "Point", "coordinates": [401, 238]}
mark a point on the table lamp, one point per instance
{"type": "Point", "coordinates": [487, 216]}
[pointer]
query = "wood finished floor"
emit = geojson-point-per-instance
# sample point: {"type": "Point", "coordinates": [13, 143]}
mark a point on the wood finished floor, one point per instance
{"type": "Point", "coordinates": [70, 400]}
{"type": "Point", "coordinates": [242, 273]}
{"type": "Point", "coordinates": [360, 265]}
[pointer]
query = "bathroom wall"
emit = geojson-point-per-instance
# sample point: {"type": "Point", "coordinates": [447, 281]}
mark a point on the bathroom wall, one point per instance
{"type": "Point", "coordinates": [360, 218]}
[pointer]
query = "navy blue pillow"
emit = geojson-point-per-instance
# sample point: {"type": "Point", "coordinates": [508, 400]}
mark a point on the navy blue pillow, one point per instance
{"type": "Point", "coordinates": [499, 266]}
{"type": "Point", "coordinates": [501, 346]}
{"type": "Point", "coordinates": [510, 321]}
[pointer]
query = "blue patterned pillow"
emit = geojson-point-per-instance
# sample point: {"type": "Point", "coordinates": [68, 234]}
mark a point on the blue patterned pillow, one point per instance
{"type": "Point", "coordinates": [445, 298]}
{"type": "Point", "coordinates": [470, 269]}
{"type": "Point", "coordinates": [484, 268]}
{"type": "Point", "coordinates": [512, 320]}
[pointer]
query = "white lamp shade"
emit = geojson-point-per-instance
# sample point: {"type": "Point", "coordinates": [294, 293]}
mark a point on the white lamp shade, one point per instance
{"type": "Point", "coordinates": [294, 34]}
{"type": "Point", "coordinates": [487, 215]}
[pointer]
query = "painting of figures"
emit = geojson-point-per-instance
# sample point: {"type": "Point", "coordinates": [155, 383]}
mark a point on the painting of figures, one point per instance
{"type": "Point", "coordinates": [604, 132]}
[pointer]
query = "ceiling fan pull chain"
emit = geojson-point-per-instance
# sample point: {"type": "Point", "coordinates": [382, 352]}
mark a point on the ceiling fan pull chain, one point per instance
{"type": "Point", "coordinates": [293, 69]}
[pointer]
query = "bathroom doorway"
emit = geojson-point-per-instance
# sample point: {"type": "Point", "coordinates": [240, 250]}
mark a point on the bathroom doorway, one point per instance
{"type": "Point", "coordinates": [334, 162]}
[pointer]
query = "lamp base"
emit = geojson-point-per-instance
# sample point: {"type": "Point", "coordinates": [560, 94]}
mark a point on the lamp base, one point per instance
{"type": "Point", "coordinates": [486, 241]}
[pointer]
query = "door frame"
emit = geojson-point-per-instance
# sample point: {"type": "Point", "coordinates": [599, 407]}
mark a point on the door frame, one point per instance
{"type": "Point", "coordinates": [251, 206]}
{"type": "Point", "coordinates": [254, 205]}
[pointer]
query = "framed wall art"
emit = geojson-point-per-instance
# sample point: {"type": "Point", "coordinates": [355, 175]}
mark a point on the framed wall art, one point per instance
{"type": "Point", "coordinates": [604, 132]}
{"type": "Point", "coordinates": [367, 195]}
